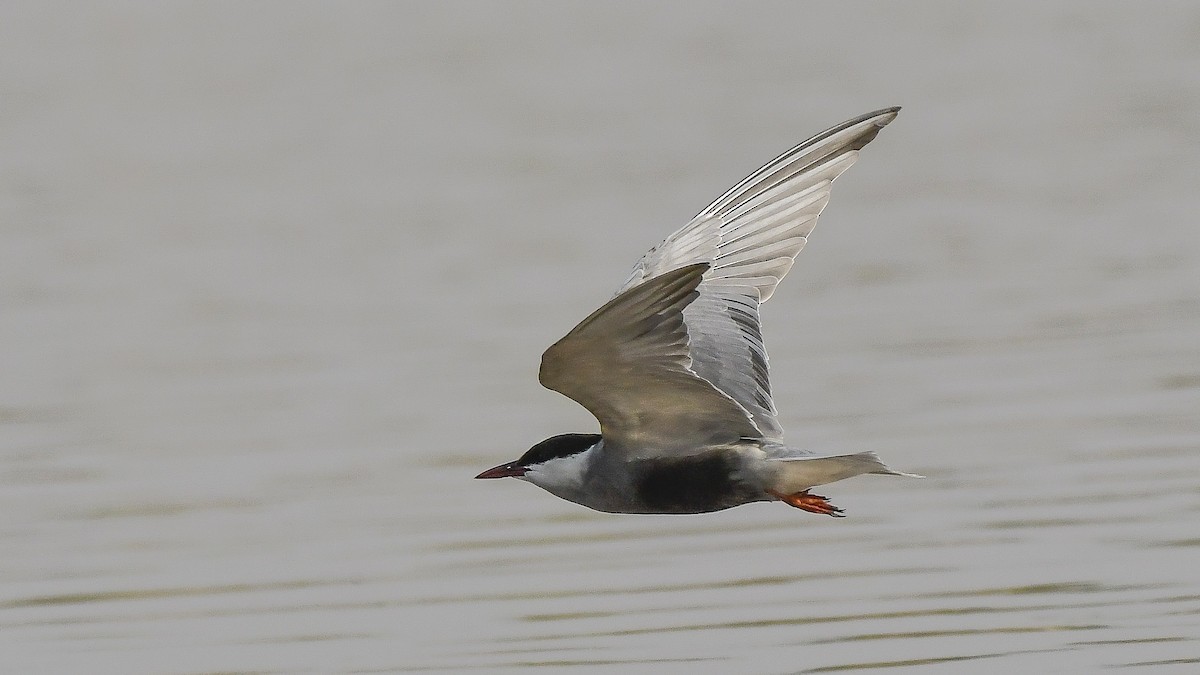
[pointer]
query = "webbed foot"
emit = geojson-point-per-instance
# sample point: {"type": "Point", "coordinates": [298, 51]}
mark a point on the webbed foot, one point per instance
{"type": "Point", "coordinates": [809, 502]}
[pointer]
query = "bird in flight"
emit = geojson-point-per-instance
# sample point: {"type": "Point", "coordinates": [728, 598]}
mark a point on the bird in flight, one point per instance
{"type": "Point", "coordinates": [674, 366]}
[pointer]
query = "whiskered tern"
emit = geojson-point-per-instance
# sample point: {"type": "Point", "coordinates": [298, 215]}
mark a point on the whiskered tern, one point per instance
{"type": "Point", "coordinates": [674, 366]}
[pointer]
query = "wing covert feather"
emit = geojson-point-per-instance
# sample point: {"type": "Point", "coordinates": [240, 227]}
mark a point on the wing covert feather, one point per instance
{"type": "Point", "coordinates": [629, 364]}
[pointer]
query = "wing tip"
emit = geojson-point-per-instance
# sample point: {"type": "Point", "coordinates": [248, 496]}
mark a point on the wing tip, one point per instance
{"type": "Point", "coordinates": [879, 119]}
{"type": "Point", "coordinates": [884, 115]}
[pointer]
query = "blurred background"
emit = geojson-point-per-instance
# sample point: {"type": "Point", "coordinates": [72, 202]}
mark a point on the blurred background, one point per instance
{"type": "Point", "coordinates": [275, 279]}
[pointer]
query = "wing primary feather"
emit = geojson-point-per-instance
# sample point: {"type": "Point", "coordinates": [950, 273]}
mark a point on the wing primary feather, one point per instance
{"type": "Point", "coordinates": [750, 236]}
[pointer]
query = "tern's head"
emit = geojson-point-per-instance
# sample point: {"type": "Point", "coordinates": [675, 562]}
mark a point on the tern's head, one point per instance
{"type": "Point", "coordinates": [556, 462]}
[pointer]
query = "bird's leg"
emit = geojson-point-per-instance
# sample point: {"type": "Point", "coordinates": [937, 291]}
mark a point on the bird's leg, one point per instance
{"type": "Point", "coordinates": [809, 502]}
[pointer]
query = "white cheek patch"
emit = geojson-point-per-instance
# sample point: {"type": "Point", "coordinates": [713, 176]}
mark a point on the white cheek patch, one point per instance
{"type": "Point", "coordinates": [561, 471]}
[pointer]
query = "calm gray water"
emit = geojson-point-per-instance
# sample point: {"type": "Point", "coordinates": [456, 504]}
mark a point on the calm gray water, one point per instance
{"type": "Point", "coordinates": [275, 279]}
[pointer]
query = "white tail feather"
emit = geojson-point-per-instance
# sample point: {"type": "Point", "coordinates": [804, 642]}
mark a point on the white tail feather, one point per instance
{"type": "Point", "coordinates": [801, 473]}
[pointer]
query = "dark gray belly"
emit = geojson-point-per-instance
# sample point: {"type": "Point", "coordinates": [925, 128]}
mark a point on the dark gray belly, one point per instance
{"type": "Point", "coordinates": [696, 484]}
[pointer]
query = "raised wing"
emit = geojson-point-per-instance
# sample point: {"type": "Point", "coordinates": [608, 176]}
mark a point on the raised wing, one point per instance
{"type": "Point", "coordinates": [629, 365]}
{"type": "Point", "coordinates": [750, 236]}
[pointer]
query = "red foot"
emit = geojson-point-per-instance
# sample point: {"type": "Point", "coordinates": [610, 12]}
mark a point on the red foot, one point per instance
{"type": "Point", "coordinates": [809, 502]}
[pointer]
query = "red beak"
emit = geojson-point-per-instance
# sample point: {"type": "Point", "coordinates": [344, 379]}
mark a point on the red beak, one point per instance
{"type": "Point", "coordinates": [504, 471]}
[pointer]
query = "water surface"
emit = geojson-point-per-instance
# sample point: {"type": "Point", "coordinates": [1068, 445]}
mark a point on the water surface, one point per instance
{"type": "Point", "coordinates": [274, 282]}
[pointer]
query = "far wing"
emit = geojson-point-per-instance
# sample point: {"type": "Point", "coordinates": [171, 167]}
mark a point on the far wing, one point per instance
{"type": "Point", "coordinates": [629, 365]}
{"type": "Point", "coordinates": [751, 235]}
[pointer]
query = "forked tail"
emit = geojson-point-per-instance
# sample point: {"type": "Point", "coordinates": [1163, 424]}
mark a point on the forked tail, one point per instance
{"type": "Point", "coordinates": [801, 473]}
